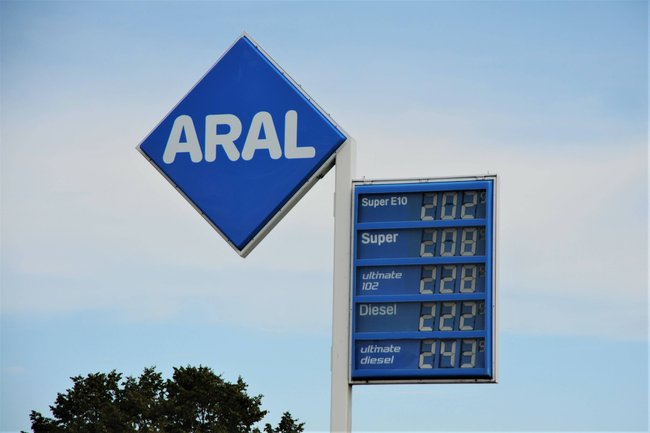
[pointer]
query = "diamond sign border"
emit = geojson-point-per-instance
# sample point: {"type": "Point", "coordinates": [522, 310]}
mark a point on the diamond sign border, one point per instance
{"type": "Point", "coordinates": [304, 188]}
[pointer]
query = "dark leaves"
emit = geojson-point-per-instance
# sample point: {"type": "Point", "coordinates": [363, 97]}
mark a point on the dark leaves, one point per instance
{"type": "Point", "coordinates": [194, 400]}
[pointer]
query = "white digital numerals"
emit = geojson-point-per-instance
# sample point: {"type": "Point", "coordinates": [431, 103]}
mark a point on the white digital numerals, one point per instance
{"type": "Point", "coordinates": [472, 205]}
{"type": "Point", "coordinates": [451, 316]}
{"type": "Point", "coordinates": [468, 316]}
{"type": "Point", "coordinates": [448, 242]}
{"type": "Point", "coordinates": [470, 202]}
{"type": "Point", "coordinates": [447, 316]}
{"type": "Point", "coordinates": [468, 276]}
{"type": "Point", "coordinates": [463, 353]}
{"type": "Point", "coordinates": [448, 279]}
{"type": "Point", "coordinates": [449, 204]}
{"type": "Point", "coordinates": [428, 280]}
{"type": "Point", "coordinates": [427, 353]}
{"type": "Point", "coordinates": [472, 241]}
{"type": "Point", "coordinates": [429, 206]}
{"type": "Point", "coordinates": [468, 355]}
{"type": "Point", "coordinates": [443, 279]}
{"type": "Point", "coordinates": [428, 244]}
{"type": "Point", "coordinates": [468, 242]}
{"type": "Point", "coordinates": [448, 353]}
{"type": "Point", "coordinates": [427, 316]}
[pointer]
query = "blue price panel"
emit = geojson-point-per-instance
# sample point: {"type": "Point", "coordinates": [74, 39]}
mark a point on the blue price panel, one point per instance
{"type": "Point", "coordinates": [422, 281]}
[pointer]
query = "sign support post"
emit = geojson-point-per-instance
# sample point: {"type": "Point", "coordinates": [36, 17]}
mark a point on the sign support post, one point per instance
{"type": "Point", "coordinates": [341, 392]}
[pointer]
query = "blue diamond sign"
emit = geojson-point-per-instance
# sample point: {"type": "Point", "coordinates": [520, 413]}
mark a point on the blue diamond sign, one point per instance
{"type": "Point", "coordinates": [244, 145]}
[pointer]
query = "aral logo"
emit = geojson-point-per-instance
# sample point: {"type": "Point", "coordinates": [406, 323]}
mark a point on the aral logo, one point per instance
{"type": "Point", "coordinates": [244, 144]}
{"type": "Point", "coordinates": [261, 136]}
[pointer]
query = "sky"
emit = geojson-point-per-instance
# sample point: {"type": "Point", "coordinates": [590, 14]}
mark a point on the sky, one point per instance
{"type": "Point", "coordinates": [104, 266]}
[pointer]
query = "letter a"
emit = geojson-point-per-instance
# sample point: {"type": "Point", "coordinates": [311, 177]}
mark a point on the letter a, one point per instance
{"type": "Point", "coordinates": [254, 142]}
{"type": "Point", "coordinates": [191, 144]}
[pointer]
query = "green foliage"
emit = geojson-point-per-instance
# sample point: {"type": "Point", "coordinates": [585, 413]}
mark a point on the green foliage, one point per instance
{"type": "Point", "coordinates": [90, 405]}
{"type": "Point", "coordinates": [287, 425]}
{"type": "Point", "coordinates": [194, 400]}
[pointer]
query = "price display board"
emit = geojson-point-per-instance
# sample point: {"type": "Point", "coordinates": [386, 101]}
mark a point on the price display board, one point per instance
{"type": "Point", "coordinates": [423, 281]}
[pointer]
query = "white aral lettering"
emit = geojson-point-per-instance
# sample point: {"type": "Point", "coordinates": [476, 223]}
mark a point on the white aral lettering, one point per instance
{"type": "Point", "coordinates": [227, 140]}
{"type": "Point", "coordinates": [225, 129]}
{"type": "Point", "coordinates": [253, 141]}
{"type": "Point", "coordinates": [182, 124]}
{"type": "Point", "coordinates": [291, 149]}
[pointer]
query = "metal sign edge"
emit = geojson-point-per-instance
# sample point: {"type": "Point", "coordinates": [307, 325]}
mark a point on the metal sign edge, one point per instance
{"type": "Point", "coordinates": [297, 86]}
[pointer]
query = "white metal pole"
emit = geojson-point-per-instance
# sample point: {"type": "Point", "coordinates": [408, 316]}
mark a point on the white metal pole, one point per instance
{"type": "Point", "coordinates": [341, 403]}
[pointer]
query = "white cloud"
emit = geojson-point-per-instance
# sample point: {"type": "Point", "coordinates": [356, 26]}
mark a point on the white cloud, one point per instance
{"type": "Point", "coordinates": [14, 370]}
{"type": "Point", "coordinates": [88, 223]}
{"type": "Point", "coordinates": [573, 219]}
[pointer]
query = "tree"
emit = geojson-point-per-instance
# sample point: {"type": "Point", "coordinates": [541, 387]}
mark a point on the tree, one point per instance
{"type": "Point", "coordinates": [142, 400]}
{"type": "Point", "coordinates": [287, 425]}
{"type": "Point", "coordinates": [200, 401]}
{"type": "Point", "coordinates": [194, 400]}
{"type": "Point", "coordinates": [89, 406]}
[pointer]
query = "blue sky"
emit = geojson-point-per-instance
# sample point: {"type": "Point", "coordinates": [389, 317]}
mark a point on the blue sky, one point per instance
{"type": "Point", "coordinates": [104, 266]}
